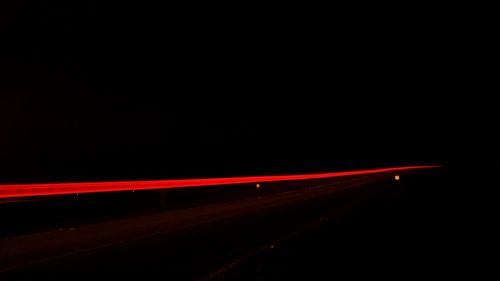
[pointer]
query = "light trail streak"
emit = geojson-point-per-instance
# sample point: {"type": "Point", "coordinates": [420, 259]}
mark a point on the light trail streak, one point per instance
{"type": "Point", "coordinates": [44, 189]}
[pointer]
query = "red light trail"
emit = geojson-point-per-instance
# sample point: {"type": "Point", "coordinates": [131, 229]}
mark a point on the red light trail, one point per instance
{"type": "Point", "coordinates": [29, 190]}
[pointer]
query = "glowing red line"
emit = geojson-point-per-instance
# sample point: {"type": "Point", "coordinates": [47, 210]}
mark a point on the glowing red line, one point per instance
{"type": "Point", "coordinates": [26, 190]}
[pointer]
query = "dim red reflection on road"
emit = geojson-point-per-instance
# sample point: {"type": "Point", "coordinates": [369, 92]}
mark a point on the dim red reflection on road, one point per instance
{"type": "Point", "coordinates": [28, 190]}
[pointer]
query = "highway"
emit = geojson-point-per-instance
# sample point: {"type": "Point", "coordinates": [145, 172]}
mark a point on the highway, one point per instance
{"type": "Point", "coordinates": [190, 243]}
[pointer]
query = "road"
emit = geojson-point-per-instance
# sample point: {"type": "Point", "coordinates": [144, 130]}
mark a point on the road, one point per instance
{"type": "Point", "coordinates": [186, 243]}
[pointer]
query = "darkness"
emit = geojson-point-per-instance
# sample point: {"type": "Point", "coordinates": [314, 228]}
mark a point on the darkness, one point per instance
{"type": "Point", "coordinates": [104, 90]}
{"type": "Point", "coordinates": [128, 90]}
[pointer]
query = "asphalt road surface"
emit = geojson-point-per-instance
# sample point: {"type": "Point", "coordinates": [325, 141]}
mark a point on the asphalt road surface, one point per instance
{"type": "Point", "coordinates": [230, 239]}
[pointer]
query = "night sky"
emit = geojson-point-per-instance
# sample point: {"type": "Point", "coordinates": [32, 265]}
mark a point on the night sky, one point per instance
{"type": "Point", "coordinates": [106, 91]}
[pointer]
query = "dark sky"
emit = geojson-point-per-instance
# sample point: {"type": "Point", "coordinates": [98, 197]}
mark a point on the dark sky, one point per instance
{"type": "Point", "coordinates": [105, 90]}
